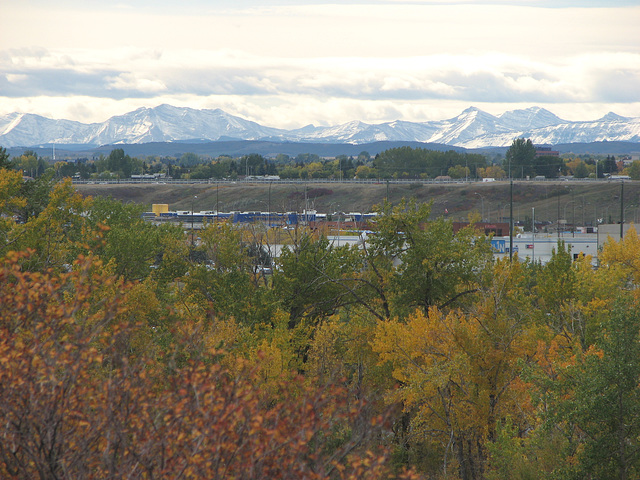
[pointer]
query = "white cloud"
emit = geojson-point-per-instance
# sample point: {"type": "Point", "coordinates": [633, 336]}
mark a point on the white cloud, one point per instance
{"type": "Point", "coordinates": [298, 64]}
{"type": "Point", "coordinates": [134, 83]}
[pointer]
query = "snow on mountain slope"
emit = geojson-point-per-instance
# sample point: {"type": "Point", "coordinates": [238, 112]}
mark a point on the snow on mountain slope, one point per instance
{"type": "Point", "coordinates": [29, 129]}
{"type": "Point", "coordinates": [470, 124]}
{"type": "Point", "coordinates": [534, 117]}
{"type": "Point", "coordinates": [166, 123]}
{"type": "Point", "coordinates": [597, 131]}
{"type": "Point", "coordinates": [473, 128]}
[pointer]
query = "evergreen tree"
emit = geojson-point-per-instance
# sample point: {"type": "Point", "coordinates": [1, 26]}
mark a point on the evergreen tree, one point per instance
{"type": "Point", "coordinates": [4, 159]}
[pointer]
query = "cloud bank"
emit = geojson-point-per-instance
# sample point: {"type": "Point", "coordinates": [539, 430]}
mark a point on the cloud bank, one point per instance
{"type": "Point", "coordinates": [291, 65]}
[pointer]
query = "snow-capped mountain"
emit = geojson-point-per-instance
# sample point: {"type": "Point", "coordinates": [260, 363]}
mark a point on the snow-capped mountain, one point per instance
{"type": "Point", "coordinates": [166, 123]}
{"type": "Point", "coordinates": [534, 117]}
{"type": "Point", "coordinates": [26, 129]}
{"type": "Point", "coordinates": [473, 128]}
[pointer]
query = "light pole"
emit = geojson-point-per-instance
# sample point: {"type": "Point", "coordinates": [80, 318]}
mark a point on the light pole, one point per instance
{"type": "Point", "coordinates": [584, 204]}
{"type": "Point", "coordinates": [606, 214]}
{"type": "Point", "coordinates": [502, 211]}
{"type": "Point", "coordinates": [339, 215]}
{"type": "Point", "coordinates": [268, 211]}
{"type": "Point", "coordinates": [625, 209]}
{"type": "Point", "coordinates": [481, 204]}
{"type": "Point", "coordinates": [533, 234]}
{"type": "Point", "coordinates": [564, 210]}
{"type": "Point", "coordinates": [269, 208]}
{"type": "Point", "coordinates": [621, 209]}
{"type": "Point", "coordinates": [192, 235]}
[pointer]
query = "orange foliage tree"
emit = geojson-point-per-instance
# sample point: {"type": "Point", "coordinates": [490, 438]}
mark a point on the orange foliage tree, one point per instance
{"type": "Point", "coordinates": [79, 401]}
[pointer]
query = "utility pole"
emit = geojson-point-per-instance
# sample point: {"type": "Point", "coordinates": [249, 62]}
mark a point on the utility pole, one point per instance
{"type": "Point", "coordinates": [558, 225]}
{"type": "Point", "coordinates": [192, 234]}
{"type": "Point", "coordinates": [269, 219]}
{"type": "Point", "coordinates": [621, 209]}
{"type": "Point", "coordinates": [511, 219]}
{"type": "Point", "coordinates": [533, 234]}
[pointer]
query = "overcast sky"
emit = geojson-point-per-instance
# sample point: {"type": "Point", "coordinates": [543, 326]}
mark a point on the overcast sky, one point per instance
{"type": "Point", "coordinates": [291, 63]}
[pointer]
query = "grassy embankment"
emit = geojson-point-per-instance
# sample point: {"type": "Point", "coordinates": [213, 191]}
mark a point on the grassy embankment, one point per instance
{"type": "Point", "coordinates": [574, 200]}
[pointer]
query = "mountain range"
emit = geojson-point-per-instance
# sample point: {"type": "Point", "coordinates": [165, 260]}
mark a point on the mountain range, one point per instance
{"type": "Point", "coordinates": [473, 128]}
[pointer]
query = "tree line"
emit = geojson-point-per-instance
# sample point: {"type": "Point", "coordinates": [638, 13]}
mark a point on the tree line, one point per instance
{"type": "Point", "coordinates": [520, 161]}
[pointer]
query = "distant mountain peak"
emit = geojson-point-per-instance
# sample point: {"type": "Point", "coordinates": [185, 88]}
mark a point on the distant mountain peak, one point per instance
{"type": "Point", "coordinates": [473, 128]}
{"type": "Point", "coordinates": [613, 117]}
{"type": "Point", "coordinates": [529, 119]}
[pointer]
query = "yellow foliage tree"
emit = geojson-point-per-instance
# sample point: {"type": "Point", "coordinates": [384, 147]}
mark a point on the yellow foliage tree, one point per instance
{"type": "Point", "coordinates": [459, 373]}
{"type": "Point", "coordinates": [624, 255]}
{"type": "Point", "coordinates": [56, 233]}
{"type": "Point", "coordinates": [493, 171]}
{"type": "Point", "coordinates": [10, 200]}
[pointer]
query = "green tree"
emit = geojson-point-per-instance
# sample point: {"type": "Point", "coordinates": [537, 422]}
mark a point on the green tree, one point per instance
{"type": "Point", "coordinates": [519, 159]}
{"type": "Point", "coordinates": [5, 162]}
{"type": "Point", "coordinates": [364, 171]}
{"type": "Point", "coordinates": [548, 166]}
{"type": "Point", "coordinates": [55, 233]}
{"type": "Point", "coordinates": [29, 163]}
{"type": "Point", "coordinates": [119, 164]}
{"type": "Point", "coordinates": [253, 164]}
{"type": "Point", "coordinates": [555, 290]}
{"type": "Point", "coordinates": [608, 165]}
{"type": "Point", "coordinates": [314, 278]}
{"type": "Point", "coordinates": [634, 170]}
{"type": "Point", "coordinates": [37, 193]}
{"type": "Point", "coordinates": [605, 404]}
{"type": "Point", "coordinates": [133, 244]}
{"type": "Point", "coordinates": [581, 171]}
{"type": "Point", "coordinates": [364, 157]}
{"type": "Point", "coordinates": [458, 171]}
{"type": "Point", "coordinates": [190, 159]}
{"type": "Point", "coordinates": [223, 283]}
{"type": "Point", "coordinates": [204, 170]}
{"type": "Point", "coordinates": [424, 262]}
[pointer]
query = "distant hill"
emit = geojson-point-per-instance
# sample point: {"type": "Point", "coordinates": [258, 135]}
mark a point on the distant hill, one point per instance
{"type": "Point", "coordinates": [586, 200]}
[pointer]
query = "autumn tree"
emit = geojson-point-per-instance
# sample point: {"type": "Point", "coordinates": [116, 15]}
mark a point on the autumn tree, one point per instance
{"type": "Point", "coordinates": [459, 373]}
{"type": "Point", "coordinates": [76, 403]}
{"type": "Point", "coordinates": [492, 171]}
{"type": "Point", "coordinates": [11, 202]}
{"type": "Point", "coordinates": [56, 233]}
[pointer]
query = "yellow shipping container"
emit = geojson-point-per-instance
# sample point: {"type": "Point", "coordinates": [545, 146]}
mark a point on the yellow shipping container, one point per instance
{"type": "Point", "coordinates": [158, 208]}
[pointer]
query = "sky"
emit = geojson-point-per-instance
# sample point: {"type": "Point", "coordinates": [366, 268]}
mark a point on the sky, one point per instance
{"type": "Point", "coordinates": [289, 63]}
